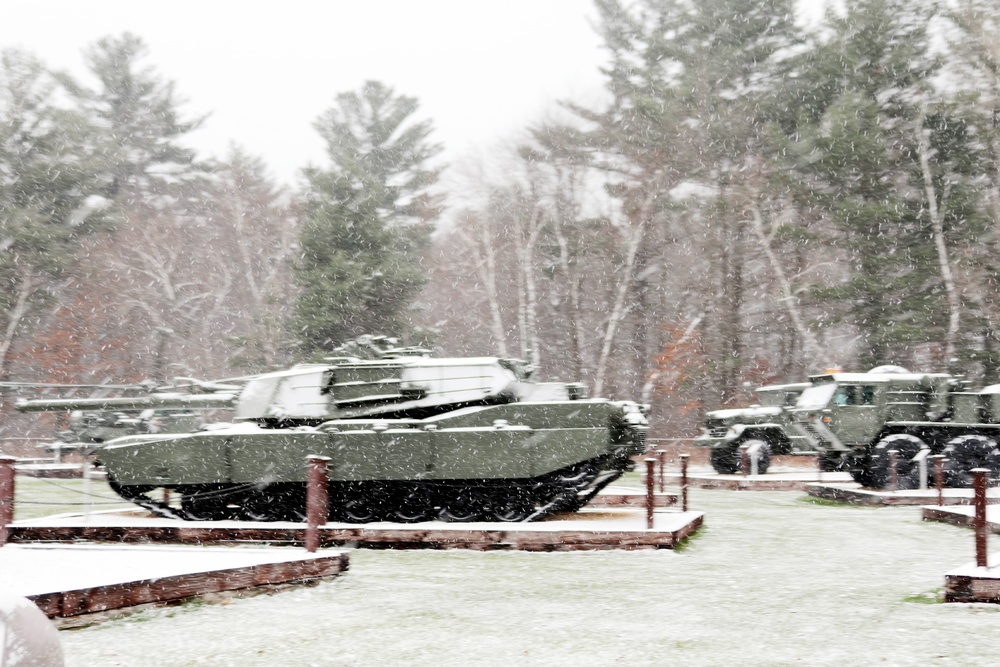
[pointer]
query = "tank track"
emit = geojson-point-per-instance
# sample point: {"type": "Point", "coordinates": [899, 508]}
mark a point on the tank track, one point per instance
{"type": "Point", "coordinates": [564, 490]}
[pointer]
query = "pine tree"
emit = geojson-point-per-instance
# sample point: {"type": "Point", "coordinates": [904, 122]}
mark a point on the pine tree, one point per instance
{"type": "Point", "coordinates": [139, 113]}
{"type": "Point", "coordinates": [50, 171]}
{"type": "Point", "coordinates": [857, 155]}
{"type": "Point", "coordinates": [367, 219]}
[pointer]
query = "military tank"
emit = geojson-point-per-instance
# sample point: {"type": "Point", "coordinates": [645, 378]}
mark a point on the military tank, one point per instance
{"type": "Point", "coordinates": [409, 437]}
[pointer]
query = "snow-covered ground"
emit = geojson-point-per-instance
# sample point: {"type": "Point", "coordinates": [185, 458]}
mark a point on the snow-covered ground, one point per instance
{"type": "Point", "coordinates": [773, 579]}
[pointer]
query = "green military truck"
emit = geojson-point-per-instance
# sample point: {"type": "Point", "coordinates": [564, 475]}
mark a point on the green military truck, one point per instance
{"type": "Point", "coordinates": [764, 428]}
{"type": "Point", "coordinates": [861, 417]}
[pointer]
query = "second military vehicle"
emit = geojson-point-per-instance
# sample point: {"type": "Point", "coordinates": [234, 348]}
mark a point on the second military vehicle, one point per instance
{"type": "Point", "coordinates": [409, 438]}
{"type": "Point", "coordinates": [765, 428]}
{"type": "Point", "coordinates": [862, 417]}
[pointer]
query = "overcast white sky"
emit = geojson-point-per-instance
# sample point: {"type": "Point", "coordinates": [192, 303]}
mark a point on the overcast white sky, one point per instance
{"type": "Point", "coordinates": [265, 71]}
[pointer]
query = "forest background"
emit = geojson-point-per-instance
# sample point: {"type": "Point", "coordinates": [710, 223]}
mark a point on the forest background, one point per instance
{"type": "Point", "coordinates": [756, 201]}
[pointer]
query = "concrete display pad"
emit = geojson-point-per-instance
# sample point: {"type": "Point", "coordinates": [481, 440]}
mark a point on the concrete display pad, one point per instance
{"type": "Point", "coordinates": [970, 583]}
{"type": "Point", "coordinates": [852, 492]}
{"type": "Point", "coordinates": [588, 529]}
{"type": "Point", "coordinates": [794, 480]}
{"type": "Point", "coordinates": [74, 582]}
{"type": "Point", "coordinates": [621, 497]}
{"type": "Point", "coordinates": [963, 515]}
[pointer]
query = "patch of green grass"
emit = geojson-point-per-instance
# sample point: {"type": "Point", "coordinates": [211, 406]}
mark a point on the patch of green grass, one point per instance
{"type": "Point", "coordinates": [826, 502]}
{"type": "Point", "coordinates": [935, 596]}
{"type": "Point", "coordinates": [686, 543]}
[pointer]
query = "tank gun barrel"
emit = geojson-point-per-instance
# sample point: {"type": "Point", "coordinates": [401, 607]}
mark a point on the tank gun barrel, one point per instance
{"type": "Point", "coordinates": [157, 401]}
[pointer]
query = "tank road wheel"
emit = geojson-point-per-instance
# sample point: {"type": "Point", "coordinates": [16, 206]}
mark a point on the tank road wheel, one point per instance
{"type": "Point", "coordinates": [513, 507]}
{"type": "Point", "coordinates": [463, 505]}
{"type": "Point", "coordinates": [413, 506]}
{"type": "Point", "coordinates": [576, 478]}
{"type": "Point", "coordinates": [199, 506]}
{"type": "Point", "coordinates": [967, 452]}
{"type": "Point", "coordinates": [907, 471]}
{"type": "Point", "coordinates": [274, 502]}
{"type": "Point", "coordinates": [361, 509]}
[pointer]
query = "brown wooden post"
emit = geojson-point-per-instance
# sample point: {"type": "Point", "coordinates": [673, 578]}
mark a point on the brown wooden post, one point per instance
{"type": "Point", "coordinates": [684, 482]}
{"type": "Point", "coordinates": [979, 485]}
{"type": "Point", "coordinates": [6, 495]}
{"type": "Point", "coordinates": [661, 455]}
{"type": "Point", "coordinates": [939, 477]}
{"type": "Point", "coordinates": [317, 500]}
{"type": "Point", "coordinates": [745, 459]}
{"type": "Point", "coordinates": [650, 497]}
{"type": "Point", "coordinates": [893, 478]}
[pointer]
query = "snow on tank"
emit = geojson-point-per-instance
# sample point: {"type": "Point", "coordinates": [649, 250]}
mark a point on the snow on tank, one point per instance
{"type": "Point", "coordinates": [355, 387]}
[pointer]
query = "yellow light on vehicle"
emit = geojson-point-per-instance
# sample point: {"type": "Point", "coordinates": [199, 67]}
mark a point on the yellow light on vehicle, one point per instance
{"type": "Point", "coordinates": [827, 420]}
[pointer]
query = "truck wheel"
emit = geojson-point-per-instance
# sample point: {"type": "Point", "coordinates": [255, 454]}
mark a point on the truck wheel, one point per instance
{"type": "Point", "coordinates": [907, 471]}
{"type": "Point", "coordinates": [967, 452]}
{"type": "Point", "coordinates": [861, 472]}
{"type": "Point", "coordinates": [763, 455]}
{"type": "Point", "coordinates": [728, 459]}
{"type": "Point", "coordinates": [831, 461]}
{"type": "Point", "coordinates": [725, 459]}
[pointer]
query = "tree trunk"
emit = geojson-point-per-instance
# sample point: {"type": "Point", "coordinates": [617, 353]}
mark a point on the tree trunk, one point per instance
{"type": "Point", "coordinates": [485, 263]}
{"type": "Point", "coordinates": [788, 298]}
{"type": "Point", "coordinates": [618, 309]}
{"type": "Point", "coordinates": [17, 314]}
{"type": "Point", "coordinates": [937, 229]}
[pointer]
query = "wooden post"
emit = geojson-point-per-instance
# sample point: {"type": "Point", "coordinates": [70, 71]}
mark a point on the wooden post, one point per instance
{"type": "Point", "coordinates": [6, 495]}
{"type": "Point", "coordinates": [939, 477]}
{"type": "Point", "coordinates": [979, 476]}
{"type": "Point", "coordinates": [893, 478]}
{"type": "Point", "coordinates": [650, 498]}
{"type": "Point", "coordinates": [684, 482]}
{"type": "Point", "coordinates": [317, 500]}
{"type": "Point", "coordinates": [745, 459]}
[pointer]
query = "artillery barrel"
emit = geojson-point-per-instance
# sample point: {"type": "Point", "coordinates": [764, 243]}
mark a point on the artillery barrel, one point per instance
{"type": "Point", "coordinates": [157, 401]}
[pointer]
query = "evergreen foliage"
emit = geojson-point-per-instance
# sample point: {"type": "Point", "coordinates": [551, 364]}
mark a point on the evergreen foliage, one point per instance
{"type": "Point", "coordinates": [50, 178]}
{"type": "Point", "coordinates": [366, 220]}
{"type": "Point", "coordinates": [138, 113]}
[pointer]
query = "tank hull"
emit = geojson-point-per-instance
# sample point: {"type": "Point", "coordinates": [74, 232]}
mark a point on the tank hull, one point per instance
{"type": "Point", "coordinates": [510, 462]}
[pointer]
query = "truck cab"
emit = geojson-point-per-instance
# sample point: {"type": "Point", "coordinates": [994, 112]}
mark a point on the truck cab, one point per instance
{"type": "Point", "coordinates": [766, 423]}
